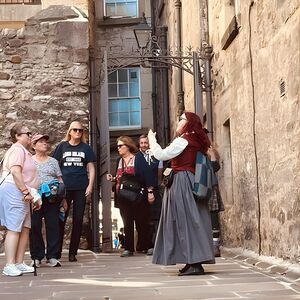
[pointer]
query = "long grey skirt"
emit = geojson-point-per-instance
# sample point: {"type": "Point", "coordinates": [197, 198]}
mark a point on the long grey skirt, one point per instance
{"type": "Point", "coordinates": [184, 233]}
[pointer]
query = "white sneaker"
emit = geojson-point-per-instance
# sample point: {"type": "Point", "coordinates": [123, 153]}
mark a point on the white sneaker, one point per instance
{"type": "Point", "coordinates": [24, 268]}
{"type": "Point", "coordinates": [37, 263]}
{"type": "Point", "coordinates": [11, 270]}
{"type": "Point", "coordinates": [53, 262]}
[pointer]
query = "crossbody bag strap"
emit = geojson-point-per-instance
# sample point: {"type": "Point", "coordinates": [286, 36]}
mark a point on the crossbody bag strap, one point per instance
{"type": "Point", "coordinates": [1, 166]}
{"type": "Point", "coordinates": [123, 165]}
{"type": "Point", "coordinates": [2, 162]}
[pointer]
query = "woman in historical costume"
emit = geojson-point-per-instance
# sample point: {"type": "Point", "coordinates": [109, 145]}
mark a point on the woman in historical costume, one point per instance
{"type": "Point", "coordinates": [184, 233]}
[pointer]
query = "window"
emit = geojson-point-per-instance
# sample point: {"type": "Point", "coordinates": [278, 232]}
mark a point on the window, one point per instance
{"type": "Point", "coordinates": [121, 8]}
{"type": "Point", "coordinates": [124, 106]}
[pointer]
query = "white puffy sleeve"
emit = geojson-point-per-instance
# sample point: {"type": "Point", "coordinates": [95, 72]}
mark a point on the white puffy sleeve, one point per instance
{"type": "Point", "coordinates": [174, 149]}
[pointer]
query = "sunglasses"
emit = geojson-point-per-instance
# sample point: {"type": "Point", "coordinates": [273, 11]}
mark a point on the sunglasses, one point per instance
{"type": "Point", "coordinates": [29, 134]}
{"type": "Point", "coordinates": [77, 130]}
{"type": "Point", "coordinates": [120, 146]}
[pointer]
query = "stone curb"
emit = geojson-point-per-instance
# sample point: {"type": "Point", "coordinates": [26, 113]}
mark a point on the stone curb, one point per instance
{"type": "Point", "coordinates": [259, 263]}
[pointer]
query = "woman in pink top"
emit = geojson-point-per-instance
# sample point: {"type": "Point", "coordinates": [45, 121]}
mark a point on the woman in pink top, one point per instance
{"type": "Point", "coordinates": [19, 179]}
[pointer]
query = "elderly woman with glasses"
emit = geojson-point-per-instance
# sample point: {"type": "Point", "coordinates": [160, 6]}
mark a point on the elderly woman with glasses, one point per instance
{"type": "Point", "coordinates": [133, 162]}
{"type": "Point", "coordinates": [76, 159]}
{"type": "Point", "coordinates": [19, 179]}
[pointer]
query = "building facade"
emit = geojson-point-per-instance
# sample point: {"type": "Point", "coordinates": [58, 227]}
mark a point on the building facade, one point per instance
{"type": "Point", "coordinates": [255, 73]}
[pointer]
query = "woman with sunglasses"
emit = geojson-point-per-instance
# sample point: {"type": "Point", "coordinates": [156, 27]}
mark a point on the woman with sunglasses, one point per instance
{"type": "Point", "coordinates": [184, 232]}
{"type": "Point", "coordinates": [133, 162]}
{"type": "Point", "coordinates": [76, 159]}
{"type": "Point", "coordinates": [19, 178]}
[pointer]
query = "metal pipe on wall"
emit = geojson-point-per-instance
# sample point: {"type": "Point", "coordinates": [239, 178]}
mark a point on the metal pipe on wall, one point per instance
{"type": "Point", "coordinates": [95, 239]}
{"type": "Point", "coordinates": [154, 74]}
{"type": "Point", "coordinates": [206, 50]}
{"type": "Point", "coordinates": [165, 90]}
{"type": "Point", "coordinates": [208, 91]}
{"type": "Point", "coordinates": [180, 92]}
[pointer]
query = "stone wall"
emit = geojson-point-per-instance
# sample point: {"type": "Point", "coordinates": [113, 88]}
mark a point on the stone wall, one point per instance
{"type": "Point", "coordinates": [44, 74]}
{"type": "Point", "coordinates": [256, 119]}
{"type": "Point", "coordinates": [256, 122]}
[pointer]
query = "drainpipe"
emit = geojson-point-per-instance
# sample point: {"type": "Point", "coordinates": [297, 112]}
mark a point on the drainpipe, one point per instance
{"type": "Point", "coordinates": [154, 74]}
{"type": "Point", "coordinates": [95, 240]}
{"type": "Point", "coordinates": [208, 91]}
{"type": "Point", "coordinates": [165, 90]}
{"type": "Point", "coordinates": [180, 93]}
{"type": "Point", "coordinates": [203, 24]}
{"type": "Point", "coordinates": [206, 51]}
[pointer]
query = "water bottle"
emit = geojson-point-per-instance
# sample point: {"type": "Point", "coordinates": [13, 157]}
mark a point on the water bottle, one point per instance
{"type": "Point", "coordinates": [61, 214]}
{"type": "Point", "coordinates": [54, 190]}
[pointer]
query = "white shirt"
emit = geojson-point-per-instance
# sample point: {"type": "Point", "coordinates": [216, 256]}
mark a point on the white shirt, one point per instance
{"type": "Point", "coordinates": [174, 149]}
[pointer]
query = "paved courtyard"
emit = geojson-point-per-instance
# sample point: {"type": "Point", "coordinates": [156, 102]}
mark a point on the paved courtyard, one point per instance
{"type": "Point", "coordinates": [107, 276]}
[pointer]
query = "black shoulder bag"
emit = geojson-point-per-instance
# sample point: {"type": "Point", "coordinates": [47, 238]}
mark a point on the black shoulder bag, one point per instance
{"type": "Point", "coordinates": [131, 189]}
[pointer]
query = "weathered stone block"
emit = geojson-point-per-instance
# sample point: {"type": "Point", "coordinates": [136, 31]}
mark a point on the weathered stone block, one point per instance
{"type": "Point", "coordinates": [36, 51]}
{"type": "Point", "coordinates": [10, 33]}
{"type": "Point", "coordinates": [68, 34]}
{"type": "Point", "coordinates": [9, 51]}
{"type": "Point", "coordinates": [79, 71]}
{"type": "Point", "coordinates": [15, 59]}
{"type": "Point", "coordinates": [12, 115]}
{"type": "Point", "coordinates": [4, 76]}
{"type": "Point", "coordinates": [55, 13]}
{"type": "Point", "coordinates": [4, 95]}
{"type": "Point", "coordinates": [7, 84]}
{"type": "Point", "coordinates": [15, 43]}
{"type": "Point", "coordinates": [64, 55]}
{"type": "Point", "coordinates": [80, 55]}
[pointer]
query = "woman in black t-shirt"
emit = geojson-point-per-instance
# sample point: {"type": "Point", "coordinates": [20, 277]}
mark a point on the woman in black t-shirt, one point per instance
{"type": "Point", "coordinates": [76, 159]}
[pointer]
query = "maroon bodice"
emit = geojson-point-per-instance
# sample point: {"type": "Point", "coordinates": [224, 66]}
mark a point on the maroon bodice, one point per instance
{"type": "Point", "coordinates": [187, 159]}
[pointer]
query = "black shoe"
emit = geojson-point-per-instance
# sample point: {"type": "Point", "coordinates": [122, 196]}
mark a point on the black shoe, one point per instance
{"type": "Point", "coordinates": [126, 253]}
{"type": "Point", "coordinates": [193, 270]}
{"type": "Point", "coordinates": [217, 252]}
{"type": "Point", "coordinates": [184, 268]}
{"type": "Point", "coordinates": [72, 258]}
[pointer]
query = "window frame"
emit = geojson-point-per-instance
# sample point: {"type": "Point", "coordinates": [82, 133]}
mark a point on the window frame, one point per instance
{"type": "Point", "coordinates": [128, 97]}
{"type": "Point", "coordinates": [120, 16]}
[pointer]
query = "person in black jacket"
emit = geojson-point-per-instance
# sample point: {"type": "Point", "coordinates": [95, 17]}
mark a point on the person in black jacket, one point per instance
{"type": "Point", "coordinates": [215, 203]}
{"type": "Point", "coordinates": [132, 162]}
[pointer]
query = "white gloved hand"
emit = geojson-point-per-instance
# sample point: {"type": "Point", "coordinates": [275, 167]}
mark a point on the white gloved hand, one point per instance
{"type": "Point", "coordinates": [151, 137]}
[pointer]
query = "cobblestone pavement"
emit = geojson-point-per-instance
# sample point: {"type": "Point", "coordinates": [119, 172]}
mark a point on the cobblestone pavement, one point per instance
{"type": "Point", "coordinates": [107, 276]}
